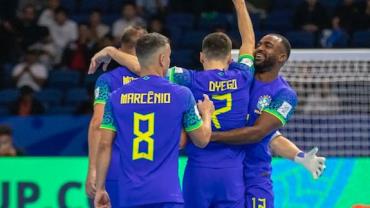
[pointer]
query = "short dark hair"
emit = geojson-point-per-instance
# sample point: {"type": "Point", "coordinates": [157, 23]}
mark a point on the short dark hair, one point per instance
{"type": "Point", "coordinates": [285, 42]}
{"type": "Point", "coordinates": [5, 130]}
{"type": "Point", "coordinates": [131, 35]}
{"type": "Point", "coordinates": [149, 44]}
{"type": "Point", "coordinates": [216, 46]}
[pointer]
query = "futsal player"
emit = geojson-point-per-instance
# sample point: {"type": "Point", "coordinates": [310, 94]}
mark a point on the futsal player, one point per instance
{"type": "Point", "coordinates": [146, 117]}
{"type": "Point", "coordinates": [105, 84]}
{"type": "Point", "coordinates": [214, 175]}
{"type": "Point", "coordinates": [272, 104]}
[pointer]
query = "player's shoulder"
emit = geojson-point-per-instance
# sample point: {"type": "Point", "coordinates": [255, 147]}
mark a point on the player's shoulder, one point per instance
{"type": "Point", "coordinates": [180, 75]}
{"type": "Point", "coordinates": [244, 66]}
{"type": "Point", "coordinates": [179, 90]}
{"type": "Point", "coordinates": [116, 94]}
{"type": "Point", "coordinates": [103, 79]}
{"type": "Point", "coordinates": [122, 71]}
{"type": "Point", "coordinates": [286, 92]}
{"type": "Point", "coordinates": [176, 70]}
{"type": "Point", "coordinates": [285, 86]}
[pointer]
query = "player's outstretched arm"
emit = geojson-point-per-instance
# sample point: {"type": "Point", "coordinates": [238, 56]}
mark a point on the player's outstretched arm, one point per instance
{"type": "Point", "coordinates": [265, 124]}
{"type": "Point", "coordinates": [202, 134]}
{"type": "Point", "coordinates": [105, 55]}
{"type": "Point", "coordinates": [283, 146]}
{"type": "Point", "coordinates": [104, 155]}
{"type": "Point", "coordinates": [245, 28]}
{"type": "Point", "coordinates": [287, 149]}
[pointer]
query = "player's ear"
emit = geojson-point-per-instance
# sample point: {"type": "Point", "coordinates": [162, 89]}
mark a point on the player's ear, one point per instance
{"type": "Point", "coordinates": [201, 57]}
{"type": "Point", "coordinates": [162, 60]}
{"type": "Point", "coordinates": [283, 57]}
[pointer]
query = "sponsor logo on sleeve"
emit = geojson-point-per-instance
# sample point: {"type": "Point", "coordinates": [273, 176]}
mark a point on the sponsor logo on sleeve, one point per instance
{"type": "Point", "coordinates": [97, 90]}
{"type": "Point", "coordinates": [178, 70]}
{"type": "Point", "coordinates": [247, 62]}
{"type": "Point", "coordinates": [284, 109]}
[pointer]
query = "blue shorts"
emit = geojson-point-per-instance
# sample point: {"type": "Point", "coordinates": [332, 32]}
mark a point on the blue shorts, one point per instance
{"type": "Point", "coordinates": [213, 187]}
{"type": "Point", "coordinates": [259, 194]}
{"type": "Point", "coordinates": [159, 205]}
{"type": "Point", "coordinates": [112, 188]}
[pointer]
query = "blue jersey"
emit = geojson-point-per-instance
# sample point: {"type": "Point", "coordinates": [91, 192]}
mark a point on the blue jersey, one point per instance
{"type": "Point", "coordinates": [148, 116]}
{"type": "Point", "coordinates": [229, 91]}
{"type": "Point", "coordinates": [105, 85]}
{"type": "Point", "coordinates": [278, 99]}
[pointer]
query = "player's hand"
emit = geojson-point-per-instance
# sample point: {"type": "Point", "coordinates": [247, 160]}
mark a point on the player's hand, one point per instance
{"type": "Point", "coordinates": [102, 57]}
{"type": "Point", "coordinates": [206, 106]}
{"type": "Point", "coordinates": [90, 185]}
{"type": "Point", "coordinates": [102, 199]}
{"type": "Point", "coordinates": [311, 162]}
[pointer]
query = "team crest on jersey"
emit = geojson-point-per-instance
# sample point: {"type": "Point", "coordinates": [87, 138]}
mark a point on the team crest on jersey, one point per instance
{"type": "Point", "coordinates": [263, 102]}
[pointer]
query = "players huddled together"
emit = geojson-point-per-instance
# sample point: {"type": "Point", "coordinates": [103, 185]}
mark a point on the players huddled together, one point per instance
{"type": "Point", "coordinates": [226, 117]}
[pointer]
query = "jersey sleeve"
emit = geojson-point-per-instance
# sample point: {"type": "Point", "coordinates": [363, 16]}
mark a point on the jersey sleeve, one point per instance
{"type": "Point", "coordinates": [179, 76]}
{"type": "Point", "coordinates": [283, 105]}
{"type": "Point", "coordinates": [191, 119]}
{"type": "Point", "coordinates": [102, 90]}
{"type": "Point", "coordinates": [108, 119]}
{"type": "Point", "coordinates": [245, 64]}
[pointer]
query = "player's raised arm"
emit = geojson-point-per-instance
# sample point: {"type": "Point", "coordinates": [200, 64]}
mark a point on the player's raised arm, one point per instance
{"type": "Point", "coordinates": [245, 28]}
{"type": "Point", "coordinates": [287, 149]}
{"type": "Point", "coordinates": [198, 127]}
{"type": "Point", "coordinates": [271, 119]}
{"type": "Point", "coordinates": [105, 55]}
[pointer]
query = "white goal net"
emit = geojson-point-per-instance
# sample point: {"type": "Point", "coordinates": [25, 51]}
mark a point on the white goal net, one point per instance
{"type": "Point", "coordinates": [333, 87]}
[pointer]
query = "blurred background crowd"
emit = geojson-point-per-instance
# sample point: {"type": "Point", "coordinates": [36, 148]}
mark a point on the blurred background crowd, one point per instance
{"type": "Point", "coordinates": [46, 45]}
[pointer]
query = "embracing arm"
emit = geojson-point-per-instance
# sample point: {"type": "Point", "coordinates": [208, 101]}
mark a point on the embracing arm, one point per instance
{"type": "Point", "coordinates": [265, 124]}
{"type": "Point", "coordinates": [105, 55]}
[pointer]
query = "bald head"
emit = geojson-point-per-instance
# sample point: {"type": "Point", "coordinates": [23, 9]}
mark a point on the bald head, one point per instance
{"type": "Point", "coordinates": [272, 51]}
{"type": "Point", "coordinates": [285, 44]}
